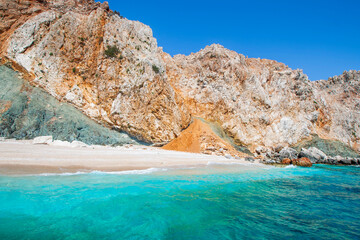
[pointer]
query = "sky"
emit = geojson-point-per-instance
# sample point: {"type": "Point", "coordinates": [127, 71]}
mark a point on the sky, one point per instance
{"type": "Point", "coordinates": [320, 37]}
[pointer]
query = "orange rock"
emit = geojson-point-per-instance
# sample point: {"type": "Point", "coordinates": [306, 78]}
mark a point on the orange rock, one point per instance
{"type": "Point", "coordinates": [199, 138]}
{"type": "Point", "coordinates": [302, 162]}
{"type": "Point", "coordinates": [286, 161]}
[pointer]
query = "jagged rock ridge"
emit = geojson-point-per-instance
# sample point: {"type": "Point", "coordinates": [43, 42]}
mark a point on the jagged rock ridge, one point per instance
{"type": "Point", "coordinates": [112, 69]}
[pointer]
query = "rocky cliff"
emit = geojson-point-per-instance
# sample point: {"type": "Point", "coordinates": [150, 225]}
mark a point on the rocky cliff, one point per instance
{"type": "Point", "coordinates": [27, 112]}
{"type": "Point", "coordinates": [112, 69]}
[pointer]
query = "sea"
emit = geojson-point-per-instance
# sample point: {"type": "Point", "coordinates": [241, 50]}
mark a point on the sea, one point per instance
{"type": "Point", "coordinates": [212, 202]}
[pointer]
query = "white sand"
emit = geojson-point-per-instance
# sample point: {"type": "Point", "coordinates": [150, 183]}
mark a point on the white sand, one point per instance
{"type": "Point", "coordinates": [22, 157]}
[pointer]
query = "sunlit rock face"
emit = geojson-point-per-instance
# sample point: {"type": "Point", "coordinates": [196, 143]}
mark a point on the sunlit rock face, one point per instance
{"type": "Point", "coordinates": [341, 108]}
{"type": "Point", "coordinates": [113, 71]}
{"type": "Point", "coordinates": [107, 66]}
{"type": "Point", "coordinates": [258, 101]}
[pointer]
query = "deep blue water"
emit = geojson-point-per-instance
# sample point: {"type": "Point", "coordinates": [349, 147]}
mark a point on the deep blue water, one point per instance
{"type": "Point", "coordinates": [322, 202]}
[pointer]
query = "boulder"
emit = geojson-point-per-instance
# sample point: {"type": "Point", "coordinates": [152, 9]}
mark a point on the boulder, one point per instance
{"type": "Point", "coordinates": [315, 155]}
{"type": "Point", "coordinates": [354, 161]}
{"type": "Point", "coordinates": [249, 159]}
{"type": "Point", "coordinates": [268, 161]}
{"type": "Point", "coordinates": [288, 153]}
{"type": "Point", "coordinates": [259, 150]}
{"type": "Point", "coordinates": [43, 140]}
{"type": "Point", "coordinates": [286, 161]}
{"type": "Point", "coordinates": [279, 147]}
{"type": "Point", "coordinates": [331, 160]}
{"type": "Point", "coordinates": [345, 161]}
{"type": "Point", "coordinates": [78, 144]}
{"type": "Point", "coordinates": [302, 162]}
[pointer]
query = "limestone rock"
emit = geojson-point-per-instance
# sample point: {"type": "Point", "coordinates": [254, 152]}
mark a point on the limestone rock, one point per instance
{"type": "Point", "coordinates": [43, 140]}
{"type": "Point", "coordinates": [78, 144]}
{"type": "Point", "coordinates": [314, 154]}
{"type": "Point", "coordinates": [288, 153]}
{"type": "Point", "coordinates": [60, 143]}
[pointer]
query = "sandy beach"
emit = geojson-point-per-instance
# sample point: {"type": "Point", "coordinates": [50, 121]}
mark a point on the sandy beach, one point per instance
{"type": "Point", "coordinates": [23, 157]}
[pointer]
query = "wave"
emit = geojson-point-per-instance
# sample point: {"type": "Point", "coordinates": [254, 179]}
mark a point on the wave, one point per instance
{"type": "Point", "coordinates": [126, 172]}
{"type": "Point", "coordinates": [291, 166]}
{"type": "Point", "coordinates": [237, 163]}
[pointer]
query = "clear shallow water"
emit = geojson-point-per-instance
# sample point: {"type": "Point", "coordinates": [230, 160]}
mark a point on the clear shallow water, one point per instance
{"type": "Point", "coordinates": [219, 202]}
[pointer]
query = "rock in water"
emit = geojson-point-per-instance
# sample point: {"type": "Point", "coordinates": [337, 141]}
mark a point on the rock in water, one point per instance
{"type": "Point", "coordinates": [314, 154]}
{"type": "Point", "coordinates": [302, 162]}
{"type": "Point", "coordinates": [286, 161]}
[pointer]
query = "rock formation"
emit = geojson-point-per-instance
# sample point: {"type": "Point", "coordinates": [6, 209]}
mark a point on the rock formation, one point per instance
{"type": "Point", "coordinates": [199, 138]}
{"type": "Point", "coordinates": [111, 69]}
{"type": "Point", "coordinates": [27, 112]}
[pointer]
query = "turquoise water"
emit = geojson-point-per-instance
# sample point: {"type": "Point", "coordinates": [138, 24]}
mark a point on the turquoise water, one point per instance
{"type": "Point", "coordinates": [218, 202]}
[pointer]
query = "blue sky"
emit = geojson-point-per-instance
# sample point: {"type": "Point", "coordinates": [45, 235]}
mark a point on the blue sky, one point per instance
{"type": "Point", "coordinates": [320, 37]}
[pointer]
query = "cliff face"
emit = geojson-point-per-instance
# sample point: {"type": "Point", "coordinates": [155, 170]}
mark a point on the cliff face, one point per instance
{"type": "Point", "coordinates": [27, 112]}
{"type": "Point", "coordinates": [111, 69]}
{"type": "Point", "coordinates": [261, 102]}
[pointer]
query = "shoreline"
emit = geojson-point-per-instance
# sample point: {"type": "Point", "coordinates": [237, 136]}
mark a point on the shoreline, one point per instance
{"type": "Point", "coordinates": [22, 157]}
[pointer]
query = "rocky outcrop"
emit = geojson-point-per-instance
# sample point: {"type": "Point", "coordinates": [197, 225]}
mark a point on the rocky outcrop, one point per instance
{"type": "Point", "coordinates": [341, 98]}
{"type": "Point", "coordinates": [289, 153]}
{"type": "Point", "coordinates": [27, 112]}
{"type": "Point", "coordinates": [112, 70]}
{"type": "Point", "coordinates": [314, 154]}
{"type": "Point", "coordinates": [107, 66]}
{"type": "Point", "coordinates": [302, 162]}
{"type": "Point", "coordinates": [199, 138]}
{"type": "Point", "coordinates": [260, 102]}
{"type": "Point", "coordinates": [287, 156]}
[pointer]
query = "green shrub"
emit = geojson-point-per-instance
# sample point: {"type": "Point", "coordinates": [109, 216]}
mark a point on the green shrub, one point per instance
{"type": "Point", "coordinates": [112, 51]}
{"type": "Point", "coordinates": [155, 69]}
